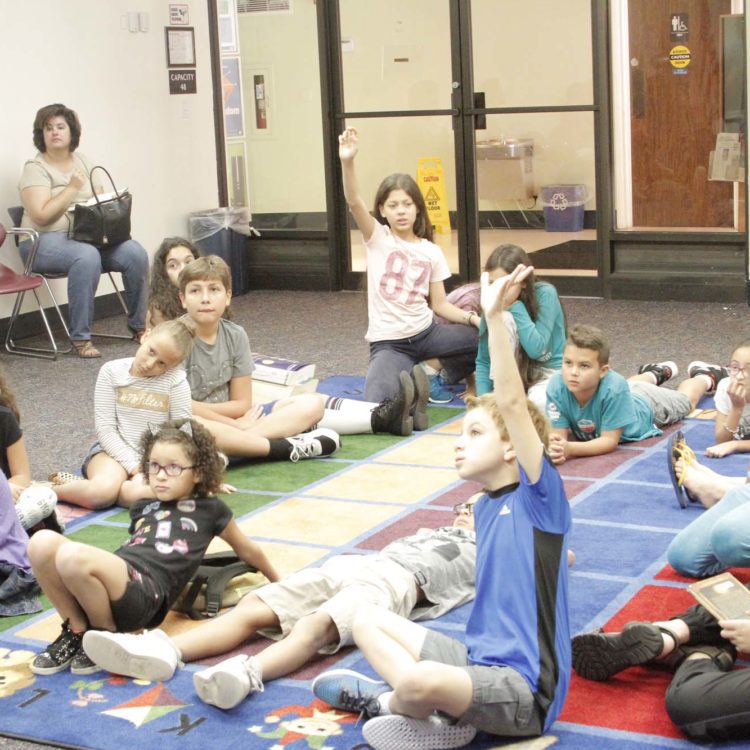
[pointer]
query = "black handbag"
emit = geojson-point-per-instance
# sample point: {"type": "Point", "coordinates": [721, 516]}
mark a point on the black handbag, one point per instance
{"type": "Point", "coordinates": [104, 223]}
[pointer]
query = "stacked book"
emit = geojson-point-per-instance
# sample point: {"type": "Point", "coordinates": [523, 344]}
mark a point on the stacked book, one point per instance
{"type": "Point", "coordinates": [275, 378]}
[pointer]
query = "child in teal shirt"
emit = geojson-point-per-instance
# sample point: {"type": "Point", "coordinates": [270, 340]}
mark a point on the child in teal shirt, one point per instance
{"type": "Point", "coordinates": [592, 408]}
{"type": "Point", "coordinates": [536, 324]}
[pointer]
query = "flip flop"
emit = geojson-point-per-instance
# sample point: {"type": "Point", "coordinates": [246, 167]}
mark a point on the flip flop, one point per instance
{"type": "Point", "coordinates": [677, 449]}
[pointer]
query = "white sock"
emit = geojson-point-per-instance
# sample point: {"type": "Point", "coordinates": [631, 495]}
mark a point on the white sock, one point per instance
{"type": "Point", "coordinates": [429, 370]}
{"type": "Point", "coordinates": [384, 699]}
{"type": "Point", "coordinates": [706, 379]}
{"type": "Point", "coordinates": [347, 416]}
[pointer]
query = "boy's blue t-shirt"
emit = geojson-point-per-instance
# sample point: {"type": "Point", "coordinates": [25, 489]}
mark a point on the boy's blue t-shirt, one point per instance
{"type": "Point", "coordinates": [520, 615]}
{"type": "Point", "coordinates": [613, 406]}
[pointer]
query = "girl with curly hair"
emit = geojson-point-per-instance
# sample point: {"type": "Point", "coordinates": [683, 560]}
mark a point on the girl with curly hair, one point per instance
{"type": "Point", "coordinates": [171, 528]}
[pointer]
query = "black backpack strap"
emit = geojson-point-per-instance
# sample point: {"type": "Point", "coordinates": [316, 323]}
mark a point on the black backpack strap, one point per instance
{"type": "Point", "coordinates": [217, 581]}
{"type": "Point", "coordinates": [216, 570]}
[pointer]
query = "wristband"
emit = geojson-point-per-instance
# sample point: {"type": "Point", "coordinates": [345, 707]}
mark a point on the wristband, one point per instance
{"type": "Point", "coordinates": [734, 433]}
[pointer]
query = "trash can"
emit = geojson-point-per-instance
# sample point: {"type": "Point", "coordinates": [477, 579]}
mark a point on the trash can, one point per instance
{"type": "Point", "coordinates": [504, 169]}
{"type": "Point", "coordinates": [223, 232]}
{"type": "Point", "coordinates": [563, 207]}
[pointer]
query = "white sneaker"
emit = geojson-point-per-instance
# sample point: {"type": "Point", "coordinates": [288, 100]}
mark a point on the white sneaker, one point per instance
{"type": "Point", "coordinates": [34, 504]}
{"type": "Point", "coordinates": [314, 444]}
{"type": "Point", "coordinates": [394, 731]}
{"type": "Point", "coordinates": [150, 656]}
{"type": "Point", "coordinates": [229, 682]}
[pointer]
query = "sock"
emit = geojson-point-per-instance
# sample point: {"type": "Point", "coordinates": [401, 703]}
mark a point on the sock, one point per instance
{"type": "Point", "coordinates": [384, 699]}
{"type": "Point", "coordinates": [347, 416]}
{"type": "Point", "coordinates": [429, 370]}
{"type": "Point", "coordinates": [280, 449]}
{"type": "Point", "coordinates": [707, 379]}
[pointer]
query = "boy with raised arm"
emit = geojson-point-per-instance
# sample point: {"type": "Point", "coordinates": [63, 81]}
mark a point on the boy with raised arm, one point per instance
{"type": "Point", "coordinates": [592, 408]}
{"type": "Point", "coordinates": [511, 676]}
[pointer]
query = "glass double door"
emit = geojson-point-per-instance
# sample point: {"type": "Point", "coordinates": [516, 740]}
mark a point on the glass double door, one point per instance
{"type": "Point", "coordinates": [491, 105]}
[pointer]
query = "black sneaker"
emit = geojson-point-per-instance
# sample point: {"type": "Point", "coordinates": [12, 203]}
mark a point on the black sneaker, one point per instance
{"type": "Point", "coordinates": [421, 396]}
{"type": "Point", "coordinates": [715, 372]}
{"type": "Point", "coordinates": [662, 371]}
{"type": "Point", "coordinates": [598, 655]}
{"type": "Point", "coordinates": [392, 414]}
{"type": "Point", "coordinates": [81, 664]}
{"type": "Point", "coordinates": [59, 654]}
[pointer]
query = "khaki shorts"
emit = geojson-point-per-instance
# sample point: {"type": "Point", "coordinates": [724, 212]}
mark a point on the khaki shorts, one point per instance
{"type": "Point", "coordinates": [502, 702]}
{"type": "Point", "coordinates": [339, 588]}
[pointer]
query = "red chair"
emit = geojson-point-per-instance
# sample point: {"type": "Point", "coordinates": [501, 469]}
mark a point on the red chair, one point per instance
{"type": "Point", "coordinates": [16, 216]}
{"type": "Point", "coordinates": [12, 282]}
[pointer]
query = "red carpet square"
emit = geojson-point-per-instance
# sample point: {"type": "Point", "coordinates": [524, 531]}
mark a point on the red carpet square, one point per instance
{"type": "Point", "coordinates": [632, 701]}
{"type": "Point", "coordinates": [668, 573]}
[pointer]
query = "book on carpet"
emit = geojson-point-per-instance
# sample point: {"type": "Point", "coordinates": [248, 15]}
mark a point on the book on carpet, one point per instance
{"type": "Point", "coordinates": [279, 370]}
{"type": "Point", "coordinates": [263, 391]}
{"type": "Point", "coordinates": [723, 596]}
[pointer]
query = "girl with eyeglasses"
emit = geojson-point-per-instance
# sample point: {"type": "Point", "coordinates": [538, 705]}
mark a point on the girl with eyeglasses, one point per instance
{"type": "Point", "coordinates": [134, 587]}
{"type": "Point", "coordinates": [131, 395]}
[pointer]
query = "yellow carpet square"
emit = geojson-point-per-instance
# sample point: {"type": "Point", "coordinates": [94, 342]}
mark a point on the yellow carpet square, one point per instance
{"type": "Point", "coordinates": [428, 450]}
{"type": "Point", "coordinates": [304, 519]}
{"type": "Point", "coordinates": [450, 428]}
{"type": "Point", "coordinates": [392, 484]}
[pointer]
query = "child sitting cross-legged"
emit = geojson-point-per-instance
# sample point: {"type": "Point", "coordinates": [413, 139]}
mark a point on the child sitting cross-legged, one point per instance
{"type": "Point", "coordinates": [219, 371]}
{"type": "Point", "coordinates": [134, 587]}
{"type": "Point", "coordinates": [592, 408]}
{"type": "Point", "coordinates": [510, 676]}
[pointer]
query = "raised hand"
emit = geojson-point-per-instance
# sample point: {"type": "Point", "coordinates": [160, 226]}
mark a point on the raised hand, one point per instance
{"type": "Point", "coordinates": [348, 144]}
{"type": "Point", "coordinates": [502, 292]}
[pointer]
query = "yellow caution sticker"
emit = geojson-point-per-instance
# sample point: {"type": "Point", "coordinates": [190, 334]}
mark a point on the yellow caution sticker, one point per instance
{"type": "Point", "coordinates": [679, 56]}
{"type": "Point", "coordinates": [431, 181]}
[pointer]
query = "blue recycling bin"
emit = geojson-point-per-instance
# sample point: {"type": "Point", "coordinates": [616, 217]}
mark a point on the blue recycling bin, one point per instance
{"type": "Point", "coordinates": [212, 231]}
{"type": "Point", "coordinates": [563, 207]}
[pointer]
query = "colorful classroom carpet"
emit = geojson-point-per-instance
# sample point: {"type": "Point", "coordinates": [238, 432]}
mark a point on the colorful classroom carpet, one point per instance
{"type": "Point", "coordinates": [377, 488]}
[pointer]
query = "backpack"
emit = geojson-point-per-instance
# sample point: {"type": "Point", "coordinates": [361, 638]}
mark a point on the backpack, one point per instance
{"type": "Point", "coordinates": [221, 580]}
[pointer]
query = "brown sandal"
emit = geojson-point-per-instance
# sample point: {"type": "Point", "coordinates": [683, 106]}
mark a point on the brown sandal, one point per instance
{"type": "Point", "coordinates": [86, 350]}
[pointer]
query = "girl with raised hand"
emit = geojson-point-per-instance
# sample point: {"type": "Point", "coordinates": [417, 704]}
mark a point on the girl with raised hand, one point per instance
{"type": "Point", "coordinates": [171, 528]}
{"type": "Point", "coordinates": [405, 275]}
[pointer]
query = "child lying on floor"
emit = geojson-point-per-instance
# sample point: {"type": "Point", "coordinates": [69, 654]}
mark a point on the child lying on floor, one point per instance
{"type": "Point", "coordinates": [592, 408]}
{"type": "Point", "coordinates": [421, 576]}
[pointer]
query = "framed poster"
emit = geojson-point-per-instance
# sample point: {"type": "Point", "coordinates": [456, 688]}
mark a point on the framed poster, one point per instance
{"type": "Point", "coordinates": [231, 93]}
{"type": "Point", "coordinates": [226, 10]}
{"type": "Point", "coordinates": [180, 42]}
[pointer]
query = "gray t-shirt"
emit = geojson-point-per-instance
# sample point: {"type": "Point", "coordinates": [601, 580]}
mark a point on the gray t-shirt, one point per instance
{"type": "Point", "coordinates": [210, 367]}
{"type": "Point", "coordinates": [443, 562]}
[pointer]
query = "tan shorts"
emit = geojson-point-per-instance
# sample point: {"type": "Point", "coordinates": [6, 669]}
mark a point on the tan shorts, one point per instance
{"type": "Point", "coordinates": [339, 588]}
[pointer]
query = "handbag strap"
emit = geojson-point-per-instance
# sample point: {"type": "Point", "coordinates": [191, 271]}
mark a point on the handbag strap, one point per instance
{"type": "Point", "coordinates": [91, 182]}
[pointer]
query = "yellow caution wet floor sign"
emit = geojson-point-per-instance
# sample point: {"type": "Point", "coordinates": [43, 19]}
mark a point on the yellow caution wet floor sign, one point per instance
{"type": "Point", "coordinates": [431, 181]}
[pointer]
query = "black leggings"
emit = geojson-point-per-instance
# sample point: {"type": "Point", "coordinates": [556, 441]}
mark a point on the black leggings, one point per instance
{"type": "Point", "coordinates": [706, 703]}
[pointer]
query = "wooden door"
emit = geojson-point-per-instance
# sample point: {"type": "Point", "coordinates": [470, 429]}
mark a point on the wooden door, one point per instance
{"type": "Point", "coordinates": [676, 113]}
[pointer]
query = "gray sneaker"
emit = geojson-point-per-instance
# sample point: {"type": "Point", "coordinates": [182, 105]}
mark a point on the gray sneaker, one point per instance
{"type": "Point", "coordinates": [394, 731]}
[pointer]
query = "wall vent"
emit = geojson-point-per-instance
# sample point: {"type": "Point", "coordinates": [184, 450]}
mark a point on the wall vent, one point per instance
{"type": "Point", "coordinates": [264, 6]}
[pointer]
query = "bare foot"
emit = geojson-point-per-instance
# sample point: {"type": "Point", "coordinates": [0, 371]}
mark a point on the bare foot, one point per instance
{"type": "Point", "coordinates": [704, 484]}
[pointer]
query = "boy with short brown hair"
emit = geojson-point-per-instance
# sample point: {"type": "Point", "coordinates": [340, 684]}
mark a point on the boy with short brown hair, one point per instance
{"type": "Point", "coordinates": [592, 408]}
{"type": "Point", "coordinates": [511, 676]}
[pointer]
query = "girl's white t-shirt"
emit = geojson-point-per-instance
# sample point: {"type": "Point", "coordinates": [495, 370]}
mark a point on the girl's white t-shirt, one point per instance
{"type": "Point", "coordinates": [399, 275]}
{"type": "Point", "coordinates": [724, 405]}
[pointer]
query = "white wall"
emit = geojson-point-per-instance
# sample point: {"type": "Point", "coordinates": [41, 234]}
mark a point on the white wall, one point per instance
{"type": "Point", "coordinates": [77, 53]}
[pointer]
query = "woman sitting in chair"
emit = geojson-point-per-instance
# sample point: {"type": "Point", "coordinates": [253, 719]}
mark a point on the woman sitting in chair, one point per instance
{"type": "Point", "coordinates": [52, 183]}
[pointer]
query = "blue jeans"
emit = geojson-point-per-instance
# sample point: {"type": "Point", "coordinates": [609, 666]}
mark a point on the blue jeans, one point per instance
{"type": "Point", "coordinates": [453, 344]}
{"type": "Point", "coordinates": [83, 264]}
{"type": "Point", "coordinates": [718, 539]}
